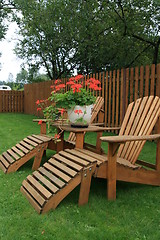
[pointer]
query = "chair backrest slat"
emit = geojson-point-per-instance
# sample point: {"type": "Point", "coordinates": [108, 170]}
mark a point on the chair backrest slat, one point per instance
{"type": "Point", "coordinates": [141, 119]}
{"type": "Point", "coordinates": [138, 117]}
{"type": "Point", "coordinates": [147, 130]}
{"type": "Point", "coordinates": [97, 107]}
{"type": "Point", "coordinates": [126, 118]}
{"type": "Point", "coordinates": [122, 150]}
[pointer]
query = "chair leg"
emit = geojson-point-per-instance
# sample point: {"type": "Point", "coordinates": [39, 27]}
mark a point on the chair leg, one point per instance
{"type": "Point", "coordinates": [111, 184]}
{"type": "Point", "coordinates": [38, 156]}
{"type": "Point", "coordinates": [85, 184]}
{"type": "Point", "coordinates": [158, 147]}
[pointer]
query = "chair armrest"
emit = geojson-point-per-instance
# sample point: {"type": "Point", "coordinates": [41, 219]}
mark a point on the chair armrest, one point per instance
{"type": "Point", "coordinates": [43, 120]}
{"type": "Point", "coordinates": [97, 124]}
{"type": "Point", "coordinates": [43, 129]}
{"type": "Point", "coordinates": [124, 138]}
{"type": "Point", "coordinates": [109, 128]}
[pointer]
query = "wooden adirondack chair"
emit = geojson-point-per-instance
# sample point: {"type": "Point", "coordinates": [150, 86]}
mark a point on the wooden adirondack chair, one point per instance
{"type": "Point", "coordinates": [77, 166]}
{"type": "Point", "coordinates": [123, 150]}
{"type": "Point", "coordinates": [36, 145]}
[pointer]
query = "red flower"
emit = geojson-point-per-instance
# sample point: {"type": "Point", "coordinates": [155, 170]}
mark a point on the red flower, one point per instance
{"type": "Point", "coordinates": [72, 79]}
{"type": "Point", "coordinates": [56, 136]}
{"type": "Point", "coordinates": [78, 77]}
{"type": "Point", "coordinates": [40, 122]}
{"type": "Point", "coordinates": [94, 86]}
{"type": "Point", "coordinates": [78, 111]}
{"type": "Point", "coordinates": [62, 110]}
{"type": "Point", "coordinates": [76, 87]}
{"type": "Point", "coordinates": [59, 87]}
{"type": "Point", "coordinates": [57, 81]}
{"type": "Point", "coordinates": [37, 102]}
{"type": "Point", "coordinates": [39, 109]}
{"type": "Point", "coordinates": [93, 81]}
{"type": "Point", "coordinates": [70, 83]}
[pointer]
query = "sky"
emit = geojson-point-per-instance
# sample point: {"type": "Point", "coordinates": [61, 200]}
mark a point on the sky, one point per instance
{"type": "Point", "coordinates": [10, 63]}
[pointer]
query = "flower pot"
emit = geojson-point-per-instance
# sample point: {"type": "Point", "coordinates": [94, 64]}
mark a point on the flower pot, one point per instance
{"type": "Point", "coordinates": [80, 116]}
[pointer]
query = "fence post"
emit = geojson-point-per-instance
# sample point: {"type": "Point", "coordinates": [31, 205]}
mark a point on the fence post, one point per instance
{"type": "Point", "coordinates": [0, 101]}
{"type": "Point", "coordinates": [124, 94]}
{"type": "Point", "coordinates": [158, 80]}
{"type": "Point", "coordinates": [157, 127]}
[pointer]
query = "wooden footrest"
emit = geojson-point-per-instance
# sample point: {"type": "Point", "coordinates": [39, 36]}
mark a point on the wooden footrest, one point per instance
{"type": "Point", "coordinates": [52, 182]}
{"type": "Point", "coordinates": [23, 151]}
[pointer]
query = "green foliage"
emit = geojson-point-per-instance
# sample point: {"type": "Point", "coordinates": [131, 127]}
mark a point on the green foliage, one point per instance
{"type": "Point", "coordinates": [5, 9]}
{"type": "Point", "coordinates": [89, 35]}
{"type": "Point", "coordinates": [70, 100]}
{"type": "Point", "coordinates": [30, 76]}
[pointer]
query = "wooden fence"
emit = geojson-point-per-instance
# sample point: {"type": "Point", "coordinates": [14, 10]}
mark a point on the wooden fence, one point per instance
{"type": "Point", "coordinates": [119, 88]}
{"type": "Point", "coordinates": [11, 101]}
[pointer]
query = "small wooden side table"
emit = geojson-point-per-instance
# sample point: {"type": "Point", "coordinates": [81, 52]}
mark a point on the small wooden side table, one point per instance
{"type": "Point", "coordinates": [80, 133]}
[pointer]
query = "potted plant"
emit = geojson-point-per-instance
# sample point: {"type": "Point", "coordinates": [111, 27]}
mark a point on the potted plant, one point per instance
{"type": "Point", "coordinates": [75, 97]}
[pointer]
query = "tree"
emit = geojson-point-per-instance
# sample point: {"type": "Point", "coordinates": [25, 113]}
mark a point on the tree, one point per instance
{"type": "Point", "coordinates": [22, 76]}
{"type": "Point", "coordinates": [140, 23]}
{"type": "Point", "coordinates": [90, 35]}
{"type": "Point", "coordinates": [6, 8]}
{"type": "Point", "coordinates": [46, 39]}
{"type": "Point", "coordinates": [30, 76]}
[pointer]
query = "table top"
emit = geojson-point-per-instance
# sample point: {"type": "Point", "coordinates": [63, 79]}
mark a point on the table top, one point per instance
{"type": "Point", "coordinates": [90, 128]}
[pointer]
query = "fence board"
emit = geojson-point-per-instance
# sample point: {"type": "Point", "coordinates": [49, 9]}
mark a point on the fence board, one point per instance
{"type": "Point", "coordinates": [1, 99]}
{"type": "Point", "coordinates": [127, 86]}
{"type": "Point", "coordinates": [121, 96]}
{"type": "Point", "coordinates": [152, 79]}
{"type": "Point", "coordinates": [131, 84]}
{"type": "Point", "coordinates": [141, 81]}
{"type": "Point", "coordinates": [103, 85]}
{"type": "Point", "coordinates": [117, 100]}
{"type": "Point", "coordinates": [136, 83]}
{"type": "Point", "coordinates": [113, 97]}
{"type": "Point", "coordinates": [110, 99]}
{"type": "Point", "coordinates": [147, 81]}
{"type": "Point", "coordinates": [106, 100]}
{"type": "Point", "coordinates": [97, 93]}
{"type": "Point", "coordinates": [158, 80]}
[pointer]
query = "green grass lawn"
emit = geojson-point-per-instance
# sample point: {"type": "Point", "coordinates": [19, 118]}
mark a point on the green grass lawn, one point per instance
{"type": "Point", "coordinates": [135, 215]}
